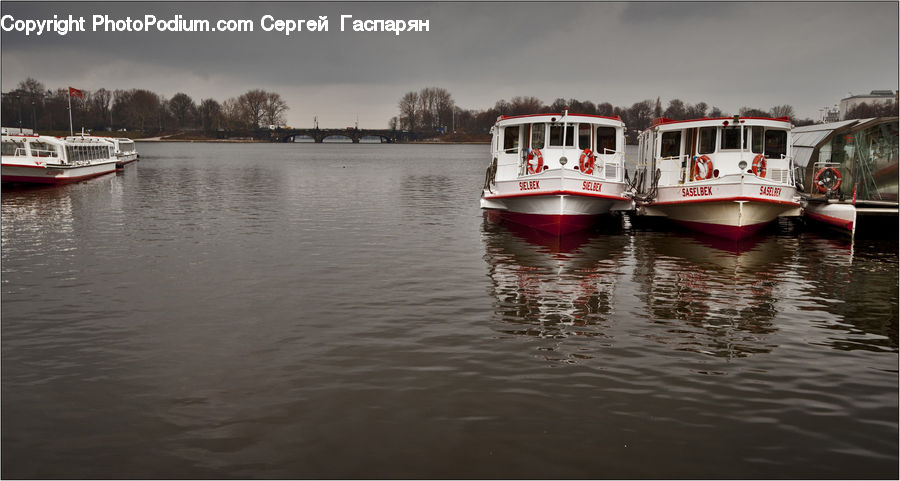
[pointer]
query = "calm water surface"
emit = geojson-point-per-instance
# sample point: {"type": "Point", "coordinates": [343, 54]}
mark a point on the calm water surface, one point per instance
{"type": "Point", "coordinates": [345, 311]}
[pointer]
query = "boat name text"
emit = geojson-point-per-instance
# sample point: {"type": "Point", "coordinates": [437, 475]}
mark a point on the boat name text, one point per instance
{"type": "Point", "coordinates": [696, 191]}
{"type": "Point", "coordinates": [770, 191]}
{"type": "Point", "coordinates": [530, 185]}
{"type": "Point", "coordinates": [594, 186]}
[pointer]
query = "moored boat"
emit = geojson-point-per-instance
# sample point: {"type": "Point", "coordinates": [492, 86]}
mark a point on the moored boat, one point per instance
{"type": "Point", "coordinates": [727, 177]}
{"type": "Point", "coordinates": [124, 150]}
{"type": "Point", "coordinates": [557, 173]}
{"type": "Point", "coordinates": [35, 158]}
{"type": "Point", "coordinates": [849, 174]}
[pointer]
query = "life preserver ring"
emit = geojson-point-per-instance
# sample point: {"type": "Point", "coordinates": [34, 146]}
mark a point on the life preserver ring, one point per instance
{"type": "Point", "coordinates": [703, 168]}
{"type": "Point", "coordinates": [586, 162]}
{"type": "Point", "coordinates": [834, 177]}
{"type": "Point", "coordinates": [535, 168]}
{"type": "Point", "coordinates": [759, 165]}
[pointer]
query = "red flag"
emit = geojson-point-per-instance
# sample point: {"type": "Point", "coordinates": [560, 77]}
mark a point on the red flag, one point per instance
{"type": "Point", "coordinates": [75, 93]}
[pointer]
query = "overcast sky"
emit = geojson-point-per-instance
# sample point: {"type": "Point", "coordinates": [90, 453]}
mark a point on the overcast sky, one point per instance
{"type": "Point", "coordinates": [756, 54]}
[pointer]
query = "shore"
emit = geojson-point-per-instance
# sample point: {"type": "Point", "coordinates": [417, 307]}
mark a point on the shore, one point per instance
{"type": "Point", "coordinates": [252, 141]}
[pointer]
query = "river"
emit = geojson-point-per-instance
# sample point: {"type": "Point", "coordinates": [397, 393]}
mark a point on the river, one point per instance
{"type": "Point", "coordinates": [344, 311]}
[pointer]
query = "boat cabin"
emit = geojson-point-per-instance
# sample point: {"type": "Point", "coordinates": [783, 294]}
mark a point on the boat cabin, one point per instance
{"type": "Point", "coordinates": [688, 151]}
{"type": "Point", "coordinates": [532, 144]}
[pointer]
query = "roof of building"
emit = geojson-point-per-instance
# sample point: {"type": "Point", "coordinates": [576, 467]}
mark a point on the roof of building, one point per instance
{"type": "Point", "coordinates": [873, 94]}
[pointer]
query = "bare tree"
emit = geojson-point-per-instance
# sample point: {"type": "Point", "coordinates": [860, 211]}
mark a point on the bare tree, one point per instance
{"type": "Point", "coordinates": [253, 106]}
{"type": "Point", "coordinates": [408, 105]}
{"type": "Point", "coordinates": [274, 109]}
{"type": "Point", "coordinates": [782, 111]}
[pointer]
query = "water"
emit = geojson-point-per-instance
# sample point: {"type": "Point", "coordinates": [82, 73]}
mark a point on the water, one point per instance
{"type": "Point", "coordinates": [344, 311]}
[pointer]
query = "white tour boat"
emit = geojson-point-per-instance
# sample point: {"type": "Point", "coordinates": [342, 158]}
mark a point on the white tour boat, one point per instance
{"type": "Point", "coordinates": [52, 160]}
{"type": "Point", "coordinates": [556, 172]}
{"type": "Point", "coordinates": [727, 177]}
{"type": "Point", "coordinates": [125, 150]}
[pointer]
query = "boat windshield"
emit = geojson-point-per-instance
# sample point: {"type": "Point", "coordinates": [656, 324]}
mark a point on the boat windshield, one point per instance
{"type": "Point", "coordinates": [606, 140]}
{"type": "Point", "coordinates": [556, 136]}
{"type": "Point", "coordinates": [11, 147]}
{"type": "Point", "coordinates": [510, 139]}
{"type": "Point", "coordinates": [731, 139]}
{"type": "Point", "coordinates": [776, 143]}
{"type": "Point", "coordinates": [537, 136]}
{"type": "Point", "coordinates": [707, 140]}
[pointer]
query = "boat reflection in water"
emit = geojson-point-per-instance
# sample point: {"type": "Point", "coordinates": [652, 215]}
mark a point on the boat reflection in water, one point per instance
{"type": "Point", "coordinates": [716, 297]}
{"type": "Point", "coordinates": [553, 287]}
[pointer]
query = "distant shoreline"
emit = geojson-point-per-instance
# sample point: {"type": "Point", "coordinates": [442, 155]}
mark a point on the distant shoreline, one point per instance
{"type": "Point", "coordinates": [250, 141]}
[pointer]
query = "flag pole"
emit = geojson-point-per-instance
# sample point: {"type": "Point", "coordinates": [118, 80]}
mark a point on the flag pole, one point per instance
{"type": "Point", "coordinates": [71, 132]}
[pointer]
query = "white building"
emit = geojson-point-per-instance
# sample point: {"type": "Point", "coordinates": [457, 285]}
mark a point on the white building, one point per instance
{"type": "Point", "coordinates": [875, 97]}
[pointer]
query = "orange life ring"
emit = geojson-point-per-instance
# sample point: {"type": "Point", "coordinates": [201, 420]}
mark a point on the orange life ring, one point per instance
{"type": "Point", "coordinates": [586, 162]}
{"type": "Point", "coordinates": [821, 184]}
{"type": "Point", "coordinates": [759, 165]}
{"type": "Point", "coordinates": [707, 163]}
{"type": "Point", "coordinates": [535, 168]}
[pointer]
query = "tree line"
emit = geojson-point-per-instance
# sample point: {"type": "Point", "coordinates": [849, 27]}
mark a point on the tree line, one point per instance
{"type": "Point", "coordinates": [32, 105]}
{"type": "Point", "coordinates": [420, 111]}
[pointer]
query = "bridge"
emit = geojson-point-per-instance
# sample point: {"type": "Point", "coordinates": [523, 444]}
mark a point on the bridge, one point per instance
{"type": "Point", "coordinates": [354, 134]}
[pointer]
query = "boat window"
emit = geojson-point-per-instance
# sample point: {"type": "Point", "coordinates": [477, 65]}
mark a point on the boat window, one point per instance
{"type": "Point", "coordinates": [537, 136]}
{"type": "Point", "coordinates": [511, 138]}
{"type": "Point", "coordinates": [756, 140]}
{"type": "Point", "coordinates": [11, 146]}
{"type": "Point", "coordinates": [776, 143]}
{"type": "Point", "coordinates": [584, 136]}
{"type": "Point", "coordinates": [42, 149]}
{"type": "Point", "coordinates": [606, 140]}
{"type": "Point", "coordinates": [707, 140]}
{"type": "Point", "coordinates": [670, 144]}
{"type": "Point", "coordinates": [731, 138]}
{"type": "Point", "coordinates": [556, 136]}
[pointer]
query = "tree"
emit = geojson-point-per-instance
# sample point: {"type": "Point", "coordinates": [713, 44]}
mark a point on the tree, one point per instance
{"type": "Point", "coordinates": [210, 113]}
{"type": "Point", "coordinates": [752, 112]}
{"type": "Point", "coordinates": [183, 110]}
{"type": "Point", "coordinates": [657, 109]}
{"type": "Point", "coordinates": [253, 106]}
{"type": "Point", "coordinates": [716, 112]}
{"type": "Point", "coordinates": [782, 111]}
{"type": "Point", "coordinates": [274, 109]}
{"type": "Point", "coordinates": [696, 111]}
{"type": "Point", "coordinates": [675, 110]}
{"type": "Point", "coordinates": [408, 105]}
{"type": "Point", "coordinates": [605, 109]}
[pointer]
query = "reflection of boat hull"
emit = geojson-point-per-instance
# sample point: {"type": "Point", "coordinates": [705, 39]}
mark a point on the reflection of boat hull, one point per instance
{"type": "Point", "coordinates": [554, 214]}
{"type": "Point", "coordinates": [54, 174]}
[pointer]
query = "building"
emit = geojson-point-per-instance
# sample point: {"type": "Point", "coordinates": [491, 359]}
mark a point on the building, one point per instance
{"type": "Point", "coordinates": [875, 97]}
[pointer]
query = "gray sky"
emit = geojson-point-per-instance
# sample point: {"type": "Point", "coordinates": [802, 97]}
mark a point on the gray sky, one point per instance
{"type": "Point", "coordinates": [755, 54]}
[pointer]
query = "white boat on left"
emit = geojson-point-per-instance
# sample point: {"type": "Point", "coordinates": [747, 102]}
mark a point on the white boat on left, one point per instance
{"type": "Point", "coordinates": [33, 158]}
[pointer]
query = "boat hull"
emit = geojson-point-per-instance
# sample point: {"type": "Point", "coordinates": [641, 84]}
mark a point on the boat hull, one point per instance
{"type": "Point", "coordinates": [53, 174]}
{"type": "Point", "coordinates": [557, 202]}
{"type": "Point", "coordinates": [553, 214]}
{"type": "Point", "coordinates": [126, 159]}
{"type": "Point", "coordinates": [733, 210]}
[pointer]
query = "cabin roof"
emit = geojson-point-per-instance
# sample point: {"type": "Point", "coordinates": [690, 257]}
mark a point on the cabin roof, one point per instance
{"type": "Point", "coordinates": [506, 120]}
